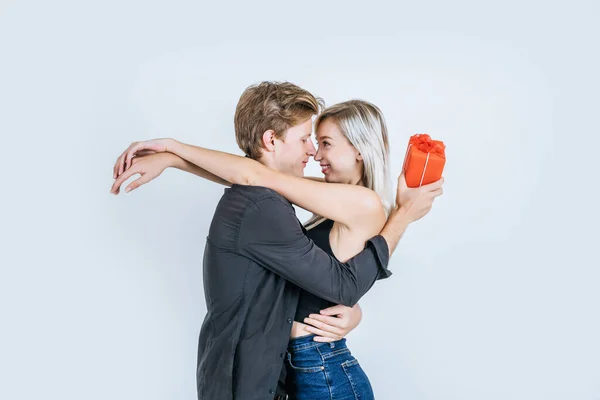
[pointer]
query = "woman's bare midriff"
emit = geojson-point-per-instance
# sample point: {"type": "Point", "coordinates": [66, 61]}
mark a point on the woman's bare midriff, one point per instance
{"type": "Point", "coordinates": [299, 329]}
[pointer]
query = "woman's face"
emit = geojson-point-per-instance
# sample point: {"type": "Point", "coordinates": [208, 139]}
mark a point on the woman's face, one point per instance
{"type": "Point", "coordinates": [340, 161]}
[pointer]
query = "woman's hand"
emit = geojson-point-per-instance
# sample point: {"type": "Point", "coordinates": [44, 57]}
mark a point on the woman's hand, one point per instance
{"type": "Point", "coordinates": [417, 202]}
{"type": "Point", "coordinates": [148, 166]}
{"type": "Point", "coordinates": [137, 149]}
{"type": "Point", "coordinates": [333, 323]}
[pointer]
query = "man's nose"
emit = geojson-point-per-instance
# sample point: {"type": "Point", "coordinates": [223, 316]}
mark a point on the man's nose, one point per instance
{"type": "Point", "coordinates": [311, 149]}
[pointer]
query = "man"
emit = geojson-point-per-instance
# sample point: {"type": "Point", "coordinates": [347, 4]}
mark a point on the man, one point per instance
{"type": "Point", "coordinates": [257, 255]}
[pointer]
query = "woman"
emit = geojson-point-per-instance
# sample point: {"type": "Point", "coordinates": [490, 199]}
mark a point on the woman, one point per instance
{"type": "Point", "coordinates": [352, 150]}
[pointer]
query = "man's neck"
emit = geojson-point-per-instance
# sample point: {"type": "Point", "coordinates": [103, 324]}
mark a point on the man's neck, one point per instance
{"type": "Point", "coordinates": [267, 162]}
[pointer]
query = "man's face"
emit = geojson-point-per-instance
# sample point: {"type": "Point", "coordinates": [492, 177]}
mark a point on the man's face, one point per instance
{"type": "Point", "coordinates": [293, 152]}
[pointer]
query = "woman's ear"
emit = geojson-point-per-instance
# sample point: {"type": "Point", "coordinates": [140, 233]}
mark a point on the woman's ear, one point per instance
{"type": "Point", "coordinates": [359, 157]}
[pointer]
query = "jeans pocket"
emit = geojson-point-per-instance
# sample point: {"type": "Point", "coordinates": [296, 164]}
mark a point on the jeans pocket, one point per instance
{"type": "Point", "coordinates": [306, 366]}
{"type": "Point", "coordinates": [337, 355]}
{"type": "Point", "coordinates": [358, 379]}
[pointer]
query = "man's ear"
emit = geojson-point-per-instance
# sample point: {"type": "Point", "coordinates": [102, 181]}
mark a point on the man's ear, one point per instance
{"type": "Point", "coordinates": [268, 140]}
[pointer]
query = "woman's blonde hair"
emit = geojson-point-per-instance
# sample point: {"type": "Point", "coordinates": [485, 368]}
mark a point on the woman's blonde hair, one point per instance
{"type": "Point", "coordinates": [363, 124]}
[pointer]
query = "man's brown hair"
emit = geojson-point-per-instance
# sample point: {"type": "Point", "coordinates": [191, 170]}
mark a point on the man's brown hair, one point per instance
{"type": "Point", "coordinates": [273, 106]}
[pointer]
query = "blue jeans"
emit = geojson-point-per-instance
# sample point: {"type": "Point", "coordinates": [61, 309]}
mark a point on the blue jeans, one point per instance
{"type": "Point", "coordinates": [324, 371]}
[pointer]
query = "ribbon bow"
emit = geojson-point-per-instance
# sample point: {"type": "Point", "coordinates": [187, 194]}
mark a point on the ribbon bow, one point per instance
{"type": "Point", "coordinates": [424, 143]}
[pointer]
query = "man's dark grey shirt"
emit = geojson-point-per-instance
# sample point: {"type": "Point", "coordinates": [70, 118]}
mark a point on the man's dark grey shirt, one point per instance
{"type": "Point", "coordinates": [256, 258]}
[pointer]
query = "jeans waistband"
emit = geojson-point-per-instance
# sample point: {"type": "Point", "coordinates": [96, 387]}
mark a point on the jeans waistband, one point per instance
{"type": "Point", "coordinates": [306, 342]}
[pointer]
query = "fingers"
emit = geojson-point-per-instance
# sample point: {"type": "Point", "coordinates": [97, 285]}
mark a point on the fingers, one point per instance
{"type": "Point", "coordinates": [139, 149]}
{"type": "Point", "coordinates": [139, 155]}
{"type": "Point", "coordinates": [324, 339]}
{"type": "Point", "coordinates": [136, 149]}
{"type": "Point", "coordinates": [324, 327]}
{"type": "Point", "coordinates": [137, 183]}
{"type": "Point", "coordinates": [146, 152]}
{"type": "Point", "coordinates": [130, 153]}
{"type": "Point", "coordinates": [434, 185]}
{"type": "Point", "coordinates": [122, 178]}
{"type": "Point", "coordinates": [117, 168]}
{"type": "Point", "coordinates": [121, 162]}
{"type": "Point", "coordinates": [331, 321]}
{"type": "Point", "coordinates": [334, 310]}
{"type": "Point", "coordinates": [437, 192]}
{"type": "Point", "coordinates": [322, 333]}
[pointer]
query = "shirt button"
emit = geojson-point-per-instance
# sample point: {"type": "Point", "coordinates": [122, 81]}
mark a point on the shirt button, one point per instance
{"type": "Point", "coordinates": [289, 321]}
{"type": "Point", "coordinates": [281, 355]}
{"type": "Point", "coordinates": [272, 391]}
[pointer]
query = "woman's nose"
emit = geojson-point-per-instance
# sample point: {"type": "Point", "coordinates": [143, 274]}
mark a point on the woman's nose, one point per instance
{"type": "Point", "coordinates": [317, 156]}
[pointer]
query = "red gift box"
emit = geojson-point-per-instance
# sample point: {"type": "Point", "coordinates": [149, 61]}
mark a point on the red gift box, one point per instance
{"type": "Point", "coordinates": [424, 161]}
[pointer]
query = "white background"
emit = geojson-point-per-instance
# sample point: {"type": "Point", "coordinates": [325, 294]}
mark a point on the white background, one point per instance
{"type": "Point", "coordinates": [494, 293]}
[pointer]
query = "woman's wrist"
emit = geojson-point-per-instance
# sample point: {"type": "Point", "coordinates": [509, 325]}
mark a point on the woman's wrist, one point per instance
{"type": "Point", "coordinates": [400, 213]}
{"type": "Point", "coordinates": [172, 145]}
{"type": "Point", "coordinates": [174, 161]}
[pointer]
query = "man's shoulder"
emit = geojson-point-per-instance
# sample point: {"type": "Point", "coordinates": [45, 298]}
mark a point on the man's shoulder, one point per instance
{"type": "Point", "coordinates": [254, 195]}
{"type": "Point", "coordinates": [246, 207]}
{"type": "Point", "coordinates": [247, 212]}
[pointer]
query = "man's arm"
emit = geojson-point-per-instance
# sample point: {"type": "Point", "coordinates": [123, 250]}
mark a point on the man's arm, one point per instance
{"type": "Point", "coordinates": [271, 235]}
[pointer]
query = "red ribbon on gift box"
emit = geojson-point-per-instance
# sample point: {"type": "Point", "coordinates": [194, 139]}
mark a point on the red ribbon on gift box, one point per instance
{"type": "Point", "coordinates": [424, 143]}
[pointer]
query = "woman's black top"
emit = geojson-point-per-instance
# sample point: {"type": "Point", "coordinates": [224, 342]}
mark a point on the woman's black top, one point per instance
{"type": "Point", "coordinates": [308, 303]}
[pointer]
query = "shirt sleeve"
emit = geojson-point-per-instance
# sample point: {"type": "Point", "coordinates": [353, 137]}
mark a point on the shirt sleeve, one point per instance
{"type": "Point", "coordinates": [271, 235]}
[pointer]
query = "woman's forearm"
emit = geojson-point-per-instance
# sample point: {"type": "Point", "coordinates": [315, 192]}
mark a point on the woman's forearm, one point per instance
{"type": "Point", "coordinates": [184, 165]}
{"type": "Point", "coordinates": [395, 227]}
{"type": "Point", "coordinates": [229, 167]}
{"type": "Point", "coordinates": [315, 178]}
